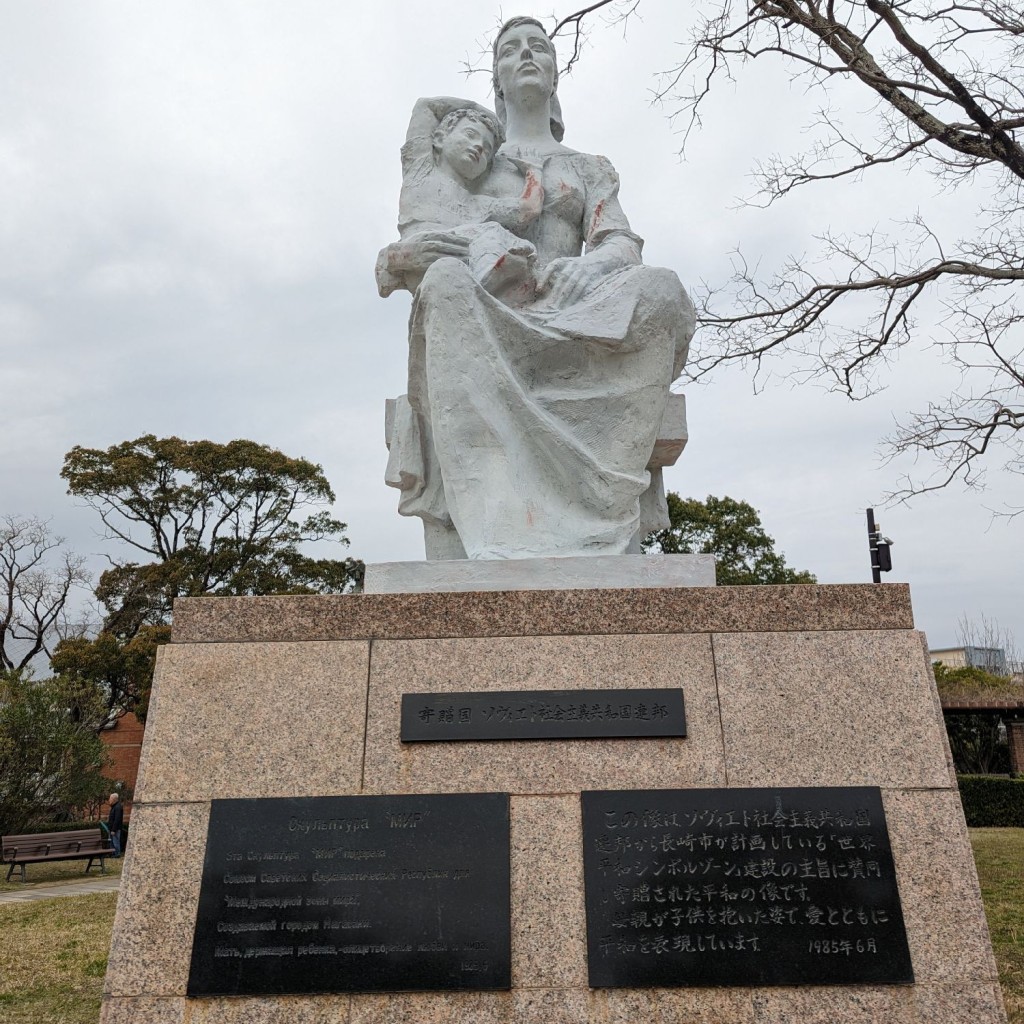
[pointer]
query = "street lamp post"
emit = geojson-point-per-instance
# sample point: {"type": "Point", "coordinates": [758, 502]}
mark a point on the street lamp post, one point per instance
{"type": "Point", "coordinates": [881, 556]}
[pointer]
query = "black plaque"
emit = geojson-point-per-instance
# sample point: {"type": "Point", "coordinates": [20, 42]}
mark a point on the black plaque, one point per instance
{"type": "Point", "coordinates": [741, 887]}
{"type": "Point", "coordinates": [543, 715]}
{"type": "Point", "coordinates": [354, 893]}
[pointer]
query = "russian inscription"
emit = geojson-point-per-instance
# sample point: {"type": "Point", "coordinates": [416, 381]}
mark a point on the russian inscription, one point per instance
{"type": "Point", "coordinates": [368, 893]}
{"type": "Point", "coordinates": [741, 887]}
{"type": "Point", "coordinates": [543, 715]}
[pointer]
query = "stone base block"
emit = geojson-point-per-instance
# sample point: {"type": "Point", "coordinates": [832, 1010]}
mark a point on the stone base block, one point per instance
{"type": "Point", "coordinates": [784, 686]}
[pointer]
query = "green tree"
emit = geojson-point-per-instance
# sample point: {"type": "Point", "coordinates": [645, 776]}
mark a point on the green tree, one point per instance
{"type": "Point", "coordinates": [51, 757]}
{"type": "Point", "coordinates": [211, 519]}
{"type": "Point", "coordinates": [118, 671]}
{"type": "Point", "coordinates": [731, 531]}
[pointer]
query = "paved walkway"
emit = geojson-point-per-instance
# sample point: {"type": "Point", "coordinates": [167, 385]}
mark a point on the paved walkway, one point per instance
{"type": "Point", "coordinates": [100, 883]}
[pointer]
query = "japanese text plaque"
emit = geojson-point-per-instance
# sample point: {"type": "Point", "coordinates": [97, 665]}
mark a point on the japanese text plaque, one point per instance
{"type": "Point", "coordinates": [741, 887]}
{"type": "Point", "coordinates": [543, 715]}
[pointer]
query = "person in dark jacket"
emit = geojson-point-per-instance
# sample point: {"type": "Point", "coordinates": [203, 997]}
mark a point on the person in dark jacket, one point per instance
{"type": "Point", "coordinates": [115, 820]}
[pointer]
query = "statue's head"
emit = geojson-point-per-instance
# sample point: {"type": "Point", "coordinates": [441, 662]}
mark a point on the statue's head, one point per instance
{"type": "Point", "coordinates": [466, 141]}
{"type": "Point", "coordinates": [524, 32]}
{"type": "Point", "coordinates": [524, 58]}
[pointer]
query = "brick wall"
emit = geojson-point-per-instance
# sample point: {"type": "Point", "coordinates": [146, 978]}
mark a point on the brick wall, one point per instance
{"type": "Point", "coordinates": [124, 746]}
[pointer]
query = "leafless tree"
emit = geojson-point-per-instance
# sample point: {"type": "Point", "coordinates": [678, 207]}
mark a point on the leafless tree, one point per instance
{"type": "Point", "coordinates": [945, 79]}
{"type": "Point", "coordinates": [36, 578]}
{"type": "Point", "coordinates": [986, 634]}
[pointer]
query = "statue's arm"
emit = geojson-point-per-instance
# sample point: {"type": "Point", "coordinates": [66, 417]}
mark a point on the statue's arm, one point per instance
{"type": "Point", "coordinates": [606, 229]}
{"type": "Point", "coordinates": [401, 265]}
{"type": "Point", "coordinates": [430, 111]}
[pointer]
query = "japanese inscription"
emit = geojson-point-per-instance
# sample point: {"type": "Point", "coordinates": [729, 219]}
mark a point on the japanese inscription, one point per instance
{"type": "Point", "coordinates": [741, 887]}
{"type": "Point", "coordinates": [368, 893]}
{"type": "Point", "coordinates": [543, 715]}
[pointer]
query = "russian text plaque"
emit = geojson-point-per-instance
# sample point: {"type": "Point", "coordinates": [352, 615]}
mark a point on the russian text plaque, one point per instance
{"type": "Point", "coordinates": [741, 887]}
{"type": "Point", "coordinates": [543, 715]}
{"type": "Point", "coordinates": [354, 893]}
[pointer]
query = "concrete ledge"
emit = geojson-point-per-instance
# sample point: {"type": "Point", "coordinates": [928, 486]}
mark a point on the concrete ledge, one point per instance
{"type": "Point", "coordinates": [591, 573]}
{"type": "Point", "coordinates": [803, 607]}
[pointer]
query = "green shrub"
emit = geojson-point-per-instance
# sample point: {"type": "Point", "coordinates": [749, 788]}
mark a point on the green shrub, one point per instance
{"type": "Point", "coordinates": [51, 760]}
{"type": "Point", "coordinates": [66, 826]}
{"type": "Point", "coordinates": [992, 801]}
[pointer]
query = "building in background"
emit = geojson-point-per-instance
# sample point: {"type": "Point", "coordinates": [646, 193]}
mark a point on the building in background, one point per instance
{"type": "Point", "coordinates": [991, 659]}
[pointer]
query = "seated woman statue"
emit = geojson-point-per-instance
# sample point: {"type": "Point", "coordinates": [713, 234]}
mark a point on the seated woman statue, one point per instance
{"type": "Point", "coordinates": [533, 409]}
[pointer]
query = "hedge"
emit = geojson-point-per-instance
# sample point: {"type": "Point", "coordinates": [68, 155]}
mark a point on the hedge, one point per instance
{"type": "Point", "coordinates": [69, 826]}
{"type": "Point", "coordinates": [64, 826]}
{"type": "Point", "coordinates": [992, 801]}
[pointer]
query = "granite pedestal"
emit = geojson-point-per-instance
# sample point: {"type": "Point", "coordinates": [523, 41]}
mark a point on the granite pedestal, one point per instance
{"type": "Point", "coordinates": [784, 686]}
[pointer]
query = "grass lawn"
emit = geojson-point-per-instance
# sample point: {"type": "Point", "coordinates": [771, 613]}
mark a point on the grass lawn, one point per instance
{"type": "Point", "coordinates": [54, 953]}
{"type": "Point", "coordinates": [999, 854]}
{"type": "Point", "coordinates": [53, 959]}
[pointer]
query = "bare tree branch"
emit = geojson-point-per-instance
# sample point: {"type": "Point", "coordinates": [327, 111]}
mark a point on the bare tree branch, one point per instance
{"type": "Point", "coordinates": [575, 22]}
{"type": "Point", "coordinates": [36, 580]}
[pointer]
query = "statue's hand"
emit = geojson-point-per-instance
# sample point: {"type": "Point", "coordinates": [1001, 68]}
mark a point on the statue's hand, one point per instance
{"type": "Point", "coordinates": [416, 255]}
{"type": "Point", "coordinates": [567, 279]}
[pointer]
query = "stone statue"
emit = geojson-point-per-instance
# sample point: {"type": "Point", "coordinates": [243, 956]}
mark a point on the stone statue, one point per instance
{"type": "Point", "coordinates": [541, 349]}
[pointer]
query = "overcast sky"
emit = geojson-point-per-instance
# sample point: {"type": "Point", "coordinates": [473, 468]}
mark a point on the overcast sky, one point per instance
{"type": "Point", "coordinates": [192, 197]}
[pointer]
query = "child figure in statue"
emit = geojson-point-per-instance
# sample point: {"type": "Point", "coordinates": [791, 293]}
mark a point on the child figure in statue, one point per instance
{"type": "Point", "coordinates": [448, 153]}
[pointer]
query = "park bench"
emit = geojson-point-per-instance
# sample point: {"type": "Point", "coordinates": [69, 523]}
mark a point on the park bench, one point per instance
{"type": "Point", "coordinates": [35, 848]}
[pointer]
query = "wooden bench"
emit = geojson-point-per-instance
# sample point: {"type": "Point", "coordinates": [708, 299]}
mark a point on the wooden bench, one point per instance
{"type": "Point", "coordinates": [38, 847]}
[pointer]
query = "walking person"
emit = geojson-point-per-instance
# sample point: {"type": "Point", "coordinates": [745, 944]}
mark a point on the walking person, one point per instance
{"type": "Point", "coordinates": [115, 819]}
